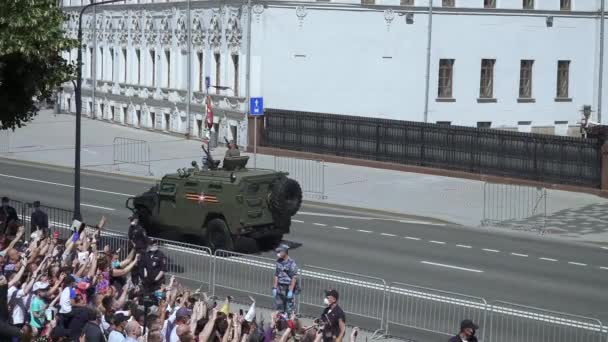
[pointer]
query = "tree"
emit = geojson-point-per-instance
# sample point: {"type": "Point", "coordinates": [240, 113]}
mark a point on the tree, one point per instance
{"type": "Point", "coordinates": [31, 67]}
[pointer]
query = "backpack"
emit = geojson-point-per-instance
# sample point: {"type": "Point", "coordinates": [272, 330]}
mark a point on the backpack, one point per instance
{"type": "Point", "coordinates": [15, 302]}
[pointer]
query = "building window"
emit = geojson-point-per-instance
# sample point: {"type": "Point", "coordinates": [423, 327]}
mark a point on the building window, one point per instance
{"type": "Point", "coordinates": [153, 59]}
{"type": "Point", "coordinates": [407, 2]}
{"type": "Point", "coordinates": [528, 4]}
{"type": "Point", "coordinates": [168, 60]}
{"type": "Point", "coordinates": [235, 61]}
{"type": "Point", "coordinates": [486, 86]}
{"type": "Point", "coordinates": [138, 56]}
{"type": "Point", "coordinates": [563, 75]}
{"type": "Point", "coordinates": [525, 79]}
{"type": "Point", "coordinates": [124, 59]}
{"type": "Point", "coordinates": [112, 65]}
{"type": "Point", "coordinates": [484, 124]}
{"type": "Point", "coordinates": [368, 2]}
{"type": "Point", "coordinates": [565, 5]}
{"type": "Point", "coordinates": [448, 3]}
{"type": "Point", "coordinates": [446, 67]}
{"type": "Point", "coordinates": [489, 3]}
{"type": "Point", "coordinates": [217, 72]}
{"type": "Point", "coordinates": [201, 78]}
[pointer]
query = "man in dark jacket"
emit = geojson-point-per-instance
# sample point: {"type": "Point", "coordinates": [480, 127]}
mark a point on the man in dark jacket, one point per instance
{"type": "Point", "coordinates": [9, 213]}
{"type": "Point", "coordinates": [467, 332]}
{"type": "Point", "coordinates": [39, 219]}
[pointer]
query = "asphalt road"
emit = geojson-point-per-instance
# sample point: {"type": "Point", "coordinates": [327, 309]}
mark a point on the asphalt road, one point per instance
{"type": "Point", "coordinates": [512, 267]}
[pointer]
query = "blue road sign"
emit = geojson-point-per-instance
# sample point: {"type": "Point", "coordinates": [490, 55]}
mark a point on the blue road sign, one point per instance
{"type": "Point", "coordinates": [207, 82]}
{"type": "Point", "coordinates": [256, 106]}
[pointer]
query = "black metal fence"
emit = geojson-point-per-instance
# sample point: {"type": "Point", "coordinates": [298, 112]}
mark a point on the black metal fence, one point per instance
{"type": "Point", "coordinates": [547, 158]}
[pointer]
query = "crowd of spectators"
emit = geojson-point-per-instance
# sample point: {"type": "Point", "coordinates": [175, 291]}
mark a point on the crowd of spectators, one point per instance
{"type": "Point", "coordinates": [74, 289]}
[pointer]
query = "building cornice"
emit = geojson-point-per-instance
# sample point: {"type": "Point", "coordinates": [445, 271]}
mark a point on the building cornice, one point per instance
{"type": "Point", "coordinates": [350, 7]}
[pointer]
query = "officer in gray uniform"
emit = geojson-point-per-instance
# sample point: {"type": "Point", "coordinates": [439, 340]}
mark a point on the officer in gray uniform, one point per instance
{"type": "Point", "coordinates": [285, 285]}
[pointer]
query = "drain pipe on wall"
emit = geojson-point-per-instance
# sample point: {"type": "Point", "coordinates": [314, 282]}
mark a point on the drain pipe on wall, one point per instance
{"type": "Point", "coordinates": [601, 79]}
{"type": "Point", "coordinates": [189, 78]}
{"type": "Point", "coordinates": [428, 62]}
{"type": "Point", "coordinates": [248, 84]}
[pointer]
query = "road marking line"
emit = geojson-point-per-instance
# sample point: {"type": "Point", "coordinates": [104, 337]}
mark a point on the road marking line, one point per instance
{"type": "Point", "coordinates": [363, 231]}
{"type": "Point", "coordinates": [387, 234]}
{"type": "Point", "coordinates": [422, 222]}
{"type": "Point", "coordinates": [463, 246]}
{"type": "Point", "coordinates": [412, 238]}
{"type": "Point", "coordinates": [437, 242]}
{"type": "Point", "coordinates": [576, 263]}
{"type": "Point", "coordinates": [97, 206]}
{"type": "Point", "coordinates": [520, 255]}
{"type": "Point", "coordinates": [320, 224]}
{"type": "Point", "coordinates": [369, 218]}
{"type": "Point", "coordinates": [454, 267]}
{"type": "Point", "coordinates": [604, 268]}
{"type": "Point", "coordinates": [340, 227]}
{"type": "Point", "coordinates": [548, 259]}
{"type": "Point", "coordinates": [604, 247]}
{"type": "Point", "coordinates": [298, 221]}
{"type": "Point", "coordinates": [65, 185]}
{"type": "Point", "coordinates": [491, 250]}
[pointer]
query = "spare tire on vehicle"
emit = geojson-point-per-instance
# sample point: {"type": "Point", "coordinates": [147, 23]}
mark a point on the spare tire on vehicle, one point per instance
{"type": "Point", "coordinates": [285, 197]}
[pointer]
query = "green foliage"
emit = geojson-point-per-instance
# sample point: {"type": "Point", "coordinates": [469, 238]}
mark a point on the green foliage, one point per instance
{"type": "Point", "coordinates": [31, 67]}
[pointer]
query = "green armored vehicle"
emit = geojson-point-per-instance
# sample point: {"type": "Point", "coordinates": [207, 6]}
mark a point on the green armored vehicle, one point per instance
{"type": "Point", "coordinates": [228, 208]}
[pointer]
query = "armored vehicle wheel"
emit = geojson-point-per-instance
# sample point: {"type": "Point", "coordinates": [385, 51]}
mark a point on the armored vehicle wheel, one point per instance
{"type": "Point", "coordinates": [218, 236]}
{"type": "Point", "coordinates": [285, 197]}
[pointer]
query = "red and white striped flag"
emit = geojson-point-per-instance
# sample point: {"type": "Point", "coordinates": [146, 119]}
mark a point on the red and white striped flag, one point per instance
{"type": "Point", "coordinates": [209, 112]}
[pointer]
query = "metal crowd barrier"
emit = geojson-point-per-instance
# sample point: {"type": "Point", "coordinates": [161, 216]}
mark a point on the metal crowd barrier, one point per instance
{"type": "Point", "coordinates": [308, 172]}
{"type": "Point", "coordinates": [391, 308]}
{"type": "Point", "coordinates": [516, 206]}
{"type": "Point", "coordinates": [5, 141]}
{"type": "Point", "coordinates": [514, 322]}
{"type": "Point", "coordinates": [131, 151]}
{"type": "Point", "coordinates": [360, 295]}
{"type": "Point", "coordinates": [244, 273]}
{"type": "Point", "coordinates": [432, 310]}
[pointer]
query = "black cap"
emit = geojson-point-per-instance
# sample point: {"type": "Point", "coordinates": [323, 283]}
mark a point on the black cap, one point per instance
{"type": "Point", "coordinates": [37, 204]}
{"type": "Point", "coordinates": [120, 318]}
{"type": "Point", "coordinates": [5, 199]}
{"type": "Point", "coordinates": [467, 323]}
{"type": "Point", "coordinates": [332, 293]}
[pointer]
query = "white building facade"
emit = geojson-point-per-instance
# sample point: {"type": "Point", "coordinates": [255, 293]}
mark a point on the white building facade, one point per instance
{"type": "Point", "coordinates": [527, 65]}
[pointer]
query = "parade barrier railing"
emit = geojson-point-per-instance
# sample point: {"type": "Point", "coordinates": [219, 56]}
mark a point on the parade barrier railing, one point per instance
{"type": "Point", "coordinates": [515, 322]}
{"type": "Point", "coordinates": [310, 173]}
{"type": "Point", "coordinates": [432, 310]}
{"type": "Point", "coordinates": [393, 310]}
{"type": "Point", "coordinates": [515, 206]}
{"type": "Point", "coordinates": [131, 151]}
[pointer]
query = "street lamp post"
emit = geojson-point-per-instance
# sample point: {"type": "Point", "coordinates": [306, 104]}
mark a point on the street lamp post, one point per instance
{"type": "Point", "coordinates": [78, 95]}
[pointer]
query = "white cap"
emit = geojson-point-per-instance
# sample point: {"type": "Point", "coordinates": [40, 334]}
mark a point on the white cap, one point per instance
{"type": "Point", "coordinates": [40, 285]}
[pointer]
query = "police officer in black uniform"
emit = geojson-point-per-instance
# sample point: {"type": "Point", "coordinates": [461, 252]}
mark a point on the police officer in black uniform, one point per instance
{"type": "Point", "coordinates": [8, 213]}
{"type": "Point", "coordinates": [154, 267]}
{"type": "Point", "coordinates": [39, 219]}
{"type": "Point", "coordinates": [139, 241]}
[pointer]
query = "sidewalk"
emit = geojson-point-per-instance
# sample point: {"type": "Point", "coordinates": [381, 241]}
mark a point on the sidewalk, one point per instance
{"type": "Point", "coordinates": [50, 139]}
